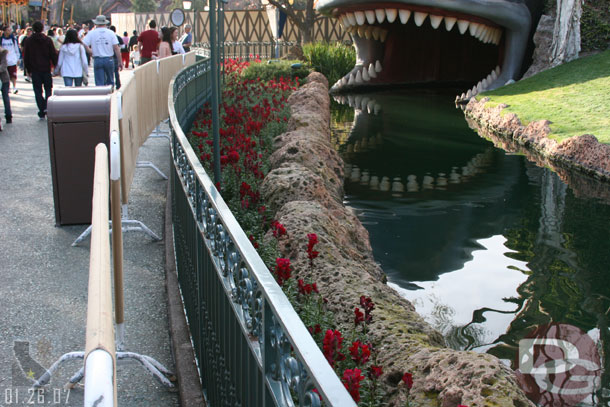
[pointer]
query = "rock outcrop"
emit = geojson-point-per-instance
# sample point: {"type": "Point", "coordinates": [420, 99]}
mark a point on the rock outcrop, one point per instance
{"type": "Point", "coordinates": [583, 153]}
{"type": "Point", "coordinates": [304, 189]}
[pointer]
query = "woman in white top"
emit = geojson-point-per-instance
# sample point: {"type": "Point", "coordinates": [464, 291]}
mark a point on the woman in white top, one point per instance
{"type": "Point", "coordinates": [72, 64]}
{"type": "Point", "coordinates": [176, 45]}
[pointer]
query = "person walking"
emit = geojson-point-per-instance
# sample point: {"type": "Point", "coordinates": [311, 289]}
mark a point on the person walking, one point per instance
{"type": "Point", "coordinates": [117, 77]}
{"type": "Point", "coordinates": [148, 42]}
{"type": "Point", "coordinates": [39, 55]}
{"type": "Point", "coordinates": [177, 47]}
{"type": "Point", "coordinates": [165, 47]}
{"type": "Point", "coordinates": [104, 46]}
{"type": "Point", "coordinates": [72, 64]}
{"type": "Point", "coordinates": [187, 39]}
{"type": "Point", "coordinates": [10, 43]}
{"type": "Point", "coordinates": [125, 50]}
{"type": "Point", "coordinates": [22, 38]}
{"type": "Point", "coordinates": [5, 78]}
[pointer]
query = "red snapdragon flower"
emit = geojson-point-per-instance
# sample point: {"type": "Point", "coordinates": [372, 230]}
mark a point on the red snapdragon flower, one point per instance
{"type": "Point", "coordinates": [368, 306]}
{"type": "Point", "coordinates": [311, 253]}
{"type": "Point", "coordinates": [306, 289]}
{"type": "Point", "coordinates": [407, 378]}
{"type": "Point", "coordinates": [282, 270]}
{"type": "Point", "coordinates": [278, 229]}
{"type": "Point", "coordinates": [351, 381]}
{"type": "Point", "coordinates": [331, 347]}
{"type": "Point", "coordinates": [358, 316]}
{"type": "Point", "coordinates": [375, 372]}
{"type": "Point", "coordinates": [359, 352]}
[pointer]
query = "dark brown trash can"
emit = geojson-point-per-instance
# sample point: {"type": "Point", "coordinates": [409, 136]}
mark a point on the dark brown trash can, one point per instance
{"type": "Point", "coordinates": [76, 125]}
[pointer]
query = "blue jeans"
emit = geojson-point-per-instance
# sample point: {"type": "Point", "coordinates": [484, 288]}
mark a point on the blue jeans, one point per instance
{"type": "Point", "coordinates": [40, 79]}
{"type": "Point", "coordinates": [7, 100]}
{"type": "Point", "coordinates": [103, 70]}
{"type": "Point", "coordinates": [77, 81]}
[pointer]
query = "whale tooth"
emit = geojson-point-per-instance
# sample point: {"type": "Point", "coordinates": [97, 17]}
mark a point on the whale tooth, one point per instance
{"type": "Point", "coordinates": [380, 14]}
{"type": "Point", "coordinates": [435, 21]}
{"type": "Point", "coordinates": [357, 101]}
{"type": "Point", "coordinates": [359, 17]}
{"type": "Point", "coordinates": [468, 94]}
{"type": "Point", "coordinates": [494, 75]}
{"type": "Point", "coordinates": [370, 16]}
{"type": "Point", "coordinates": [370, 107]}
{"type": "Point", "coordinates": [363, 105]}
{"type": "Point", "coordinates": [377, 109]}
{"type": "Point", "coordinates": [404, 15]}
{"type": "Point", "coordinates": [473, 28]}
{"type": "Point", "coordinates": [498, 36]}
{"type": "Point", "coordinates": [368, 34]}
{"type": "Point", "coordinates": [351, 79]}
{"type": "Point", "coordinates": [474, 90]}
{"type": "Point", "coordinates": [391, 13]}
{"type": "Point", "coordinates": [350, 18]}
{"type": "Point", "coordinates": [484, 83]}
{"type": "Point", "coordinates": [497, 70]}
{"type": "Point", "coordinates": [488, 33]}
{"type": "Point", "coordinates": [383, 34]}
{"type": "Point", "coordinates": [365, 75]}
{"type": "Point", "coordinates": [419, 18]}
{"type": "Point", "coordinates": [358, 79]}
{"type": "Point", "coordinates": [377, 66]}
{"type": "Point", "coordinates": [376, 31]}
{"type": "Point", "coordinates": [350, 102]}
{"type": "Point", "coordinates": [372, 72]}
{"type": "Point", "coordinates": [344, 80]}
{"type": "Point", "coordinates": [450, 22]}
{"type": "Point", "coordinates": [463, 25]}
{"type": "Point", "coordinates": [479, 86]}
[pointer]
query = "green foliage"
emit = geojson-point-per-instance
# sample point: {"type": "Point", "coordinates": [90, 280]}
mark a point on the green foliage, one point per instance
{"type": "Point", "coordinates": [573, 96]}
{"type": "Point", "coordinates": [595, 25]}
{"type": "Point", "coordinates": [331, 60]}
{"type": "Point", "coordinates": [144, 5]}
{"type": "Point", "coordinates": [276, 69]}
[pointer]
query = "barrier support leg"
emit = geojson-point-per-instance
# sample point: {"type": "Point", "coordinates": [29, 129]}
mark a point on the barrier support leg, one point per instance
{"type": "Point", "coordinates": [148, 164]}
{"type": "Point", "coordinates": [127, 225]}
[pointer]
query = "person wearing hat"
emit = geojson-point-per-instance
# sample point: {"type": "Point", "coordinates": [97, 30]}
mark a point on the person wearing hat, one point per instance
{"type": "Point", "coordinates": [104, 47]}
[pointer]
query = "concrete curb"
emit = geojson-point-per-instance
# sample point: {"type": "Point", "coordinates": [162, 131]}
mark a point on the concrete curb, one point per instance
{"type": "Point", "coordinates": [189, 384]}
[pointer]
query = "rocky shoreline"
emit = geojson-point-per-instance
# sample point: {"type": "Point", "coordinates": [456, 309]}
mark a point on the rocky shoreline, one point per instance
{"type": "Point", "coordinates": [583, 154]}
{"type": "Point", "coordinates": [304, 189]}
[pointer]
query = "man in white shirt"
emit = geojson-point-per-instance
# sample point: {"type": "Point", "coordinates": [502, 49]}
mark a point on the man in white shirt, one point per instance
{"type": "Point", "coordinates": [104, 46]}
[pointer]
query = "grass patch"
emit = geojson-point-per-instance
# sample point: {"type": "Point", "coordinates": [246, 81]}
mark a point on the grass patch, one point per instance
{"type": "Point", "coordinates": [573, 96]}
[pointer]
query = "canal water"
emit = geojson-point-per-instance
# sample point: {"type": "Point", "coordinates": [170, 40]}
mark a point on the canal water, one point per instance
{"type": "Point", "coordinates": [492, 250]}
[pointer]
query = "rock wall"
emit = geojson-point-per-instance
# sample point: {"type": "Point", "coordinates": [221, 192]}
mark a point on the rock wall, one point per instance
{"type": "Point", "coordinates": [305, 191]}
{"type": "Point", "coordinates": [583, 153]}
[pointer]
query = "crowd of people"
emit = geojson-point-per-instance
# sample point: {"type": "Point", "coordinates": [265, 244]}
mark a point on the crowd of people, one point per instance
{"type": "Point", "coordinates": [43, 52]}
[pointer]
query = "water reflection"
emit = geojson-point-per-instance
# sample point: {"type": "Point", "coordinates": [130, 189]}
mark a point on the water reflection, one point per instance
{"type": "Point", "coordinates": [487, 245]}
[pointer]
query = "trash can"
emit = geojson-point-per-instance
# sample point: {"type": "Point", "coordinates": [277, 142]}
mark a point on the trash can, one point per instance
{"type": "Point", "coordinates": [76, 124]}
{"type": "Point", "coordinates": [83, 90]}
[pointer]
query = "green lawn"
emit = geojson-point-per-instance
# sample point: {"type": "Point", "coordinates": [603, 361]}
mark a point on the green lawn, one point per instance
{"type": "Point", "coordinates": [575, 97]}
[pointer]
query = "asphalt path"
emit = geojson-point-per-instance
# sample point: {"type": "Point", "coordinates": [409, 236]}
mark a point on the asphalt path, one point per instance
{"type": "Point", "coordinates": [43, 279]}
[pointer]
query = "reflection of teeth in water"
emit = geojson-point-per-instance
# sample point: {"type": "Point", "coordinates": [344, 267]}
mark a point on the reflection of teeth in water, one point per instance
{"type": "Point", "coordinates": [428, 181]}
{"type": "Point", "coordinates": [355, 175]}
{"type": "Point", "coordinates": [365, 178]}
{"type": "Point", "coordinates": [412, 185]}
{"type": "Point", "coordinates": [454, 177]}
{"type": "Point", "coordinates": [384, 185]}
{"type": "Point", "coordinates": [397, 185]}
{"type": "Point", "coordinates": [374, 184]}
{"type": "Point", "coordinates": [441, 181]}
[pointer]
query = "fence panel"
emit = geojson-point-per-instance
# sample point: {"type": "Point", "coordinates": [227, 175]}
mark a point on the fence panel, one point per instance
{"type": "Point", "coordinates": [251, 346]}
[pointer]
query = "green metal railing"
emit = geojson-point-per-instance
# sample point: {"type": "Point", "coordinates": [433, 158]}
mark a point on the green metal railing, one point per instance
{"type": "Point", "coordinates": [251, 347]}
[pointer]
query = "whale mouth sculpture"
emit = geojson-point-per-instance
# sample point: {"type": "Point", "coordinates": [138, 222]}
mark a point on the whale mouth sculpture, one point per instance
{"type": "Point", "coordinates": [475, 44]}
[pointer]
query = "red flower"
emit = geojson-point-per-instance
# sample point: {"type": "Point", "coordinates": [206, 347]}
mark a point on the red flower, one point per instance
{"type": "Point", "coordinates": [407, 378]}
{"type": "Point", "coordinates": [368, 306]}
{"type": "Point", "coordinates": [331, 347]}
{"type": "Point", "coordinates": [305, 289]}
{"type": "Point", "coordinates": [351, 381]}
{"type": "Point", "coordinates": [282, 270]}
{"type": "Point", "coordinates": [359, 352]}
{"type": "Point", "coordinates": [278, 229]}
{"type": "Point", "coordinates": [311, 253]}
{"type": "Point", "coordinates": [359, 316]}
{"type": "Point", "coordinates": [375, 372]}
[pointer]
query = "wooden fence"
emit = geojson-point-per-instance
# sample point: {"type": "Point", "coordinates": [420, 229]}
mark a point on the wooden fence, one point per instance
{"type": "Point", "coordinates": [239, 26]}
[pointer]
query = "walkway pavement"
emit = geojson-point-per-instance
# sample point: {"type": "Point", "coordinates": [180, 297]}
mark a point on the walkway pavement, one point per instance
{"type": "Point", "coordinates": [43, 279]}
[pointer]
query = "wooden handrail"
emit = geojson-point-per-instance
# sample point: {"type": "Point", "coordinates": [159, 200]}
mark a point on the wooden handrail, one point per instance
{"type": "Point", "coordinates": [100, 358]}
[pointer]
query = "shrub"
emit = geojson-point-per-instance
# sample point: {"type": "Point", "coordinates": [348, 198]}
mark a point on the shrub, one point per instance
{"type": "Point", "coordinates": [276, 69]}
{"type": "Point", "coordinates": [595, 26]}
{"type": "Point", "coordinates": [332, 60]}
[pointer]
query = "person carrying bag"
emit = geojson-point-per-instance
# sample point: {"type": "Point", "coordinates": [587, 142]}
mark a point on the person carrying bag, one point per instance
{"type": "Point", "coordinates": [72, 64]}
